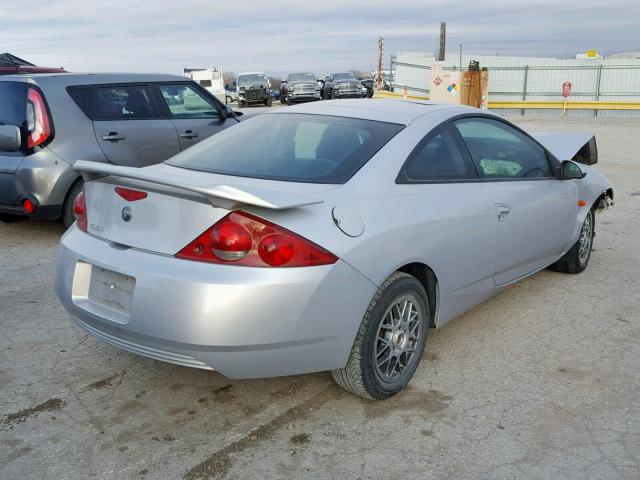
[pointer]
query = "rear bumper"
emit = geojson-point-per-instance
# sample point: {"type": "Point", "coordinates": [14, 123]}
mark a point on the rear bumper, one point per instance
{"type": "Point", "coordinates": [243, 322]}
{"type": "Point", "coordinates": [43, 178]}
{"type": "Point", "coordinates": [13, 191]}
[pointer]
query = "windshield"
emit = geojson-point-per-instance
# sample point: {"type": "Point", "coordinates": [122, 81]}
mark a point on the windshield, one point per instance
{"type": "Point", "coordinates": [246, 80]}
{"type": "Point", "coordinates": [344, 76]}
{"type": "Point", "coordinates": [297, 77]}
{"type": "Point", "coordinates": [290, 147]}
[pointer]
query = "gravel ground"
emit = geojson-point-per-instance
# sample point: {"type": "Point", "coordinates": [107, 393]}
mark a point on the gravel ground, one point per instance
{"type": "Point", "coordinates": [541, 381]}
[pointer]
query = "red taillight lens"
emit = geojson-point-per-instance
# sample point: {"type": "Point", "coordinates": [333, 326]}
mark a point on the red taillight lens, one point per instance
{"type": "Point", "coordinates": [130, 195]}
{"type": "Point", "coordinates": [276, 250]}
{"type": "Point", "coordinates": [244, 239]}
{"type": "Point", "coordinates": [230, 241]}
{"type": "Point", "coordinates": [80, 211]}
{"type": "Point", "coordinates": [28, 206]}
{"type": "Point", "coordinates": [38, 121]}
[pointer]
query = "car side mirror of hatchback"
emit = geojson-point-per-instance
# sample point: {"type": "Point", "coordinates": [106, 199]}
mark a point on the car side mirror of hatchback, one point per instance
{"type": "Point", "coordinates": [10, 138]}
{"type": "Point", "coordinates": [571, 171]}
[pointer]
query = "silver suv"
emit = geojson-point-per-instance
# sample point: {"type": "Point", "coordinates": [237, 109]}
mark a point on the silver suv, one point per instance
{"type": "Point", "coordinates": [48, 121]}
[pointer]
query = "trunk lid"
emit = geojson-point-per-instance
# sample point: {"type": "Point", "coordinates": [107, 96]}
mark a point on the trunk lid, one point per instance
{"type": "Point", "coordinates": [180, 204]}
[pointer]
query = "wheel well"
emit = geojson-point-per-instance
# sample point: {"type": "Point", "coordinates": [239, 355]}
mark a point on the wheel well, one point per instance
{"type": "Point", "coordinates": [429, 281]}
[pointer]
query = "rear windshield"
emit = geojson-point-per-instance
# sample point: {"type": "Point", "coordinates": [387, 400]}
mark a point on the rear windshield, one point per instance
{"type": "Point", "coordinates": [290, 147]}
{"type": "Point", "coordinates": [13, 97]}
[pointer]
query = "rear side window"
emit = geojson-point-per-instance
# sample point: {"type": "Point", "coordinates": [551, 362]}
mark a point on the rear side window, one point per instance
{"type": "Point", "coordinates": [83, 98]}
{"type": "Point", "coordinates": [13, 103]}
{"type": "Point", "coordinates": [184, 101]}
{"type": "Point", "coordinates": [499, 151]}
{"type": "Point", "coordinates": [125, 102]}
{"type": "Point", "coordinates": [205, 83]}
{"type": "Point", "coordinates": [438, 157]}
{"type": "Point", "coordinates": [291, 147]}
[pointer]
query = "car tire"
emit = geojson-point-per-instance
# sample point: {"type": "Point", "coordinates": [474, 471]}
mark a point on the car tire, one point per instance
{"type": "Point", "coordinates": [240, 104]}
{"type": "Point", "coordinates": [268, 102]}
{"type": "Point", "coordinates": [364, 374]}
{"type": "Point", "coordinates": [577, 258]}
{"type": "Point", "coordinates": [67, 207]}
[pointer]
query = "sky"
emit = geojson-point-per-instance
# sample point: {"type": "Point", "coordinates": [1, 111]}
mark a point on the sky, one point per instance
{"type": "Point", "coordinates": [286, 35]}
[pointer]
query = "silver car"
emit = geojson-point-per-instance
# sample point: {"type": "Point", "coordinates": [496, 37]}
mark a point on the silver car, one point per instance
{"type": "Point", "coordinates": [48, 121]}
{"type": "Point", "coordinates": [327, 236]}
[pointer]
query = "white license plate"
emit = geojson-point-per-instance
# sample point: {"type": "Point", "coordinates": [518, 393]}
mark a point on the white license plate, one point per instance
{"type": "Point", "coordinates": [111, 289]}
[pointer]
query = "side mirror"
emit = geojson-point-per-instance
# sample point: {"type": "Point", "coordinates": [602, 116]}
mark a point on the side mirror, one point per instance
{"type": "Point", "coordinates": [229, 113]}
{"type": "Point", "coordinates": [571, 171]}
{"type": "Point", "coordinates": [10, 138]}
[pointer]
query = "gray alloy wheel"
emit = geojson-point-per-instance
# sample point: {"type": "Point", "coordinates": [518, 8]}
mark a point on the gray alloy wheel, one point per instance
{"type": "Point", "coordinates": [577, 258]}
{"type": "Point", "coordinates": [390, 341]}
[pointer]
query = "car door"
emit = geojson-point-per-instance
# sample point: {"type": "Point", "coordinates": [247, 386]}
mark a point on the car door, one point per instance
{"type": "Point", "coordinates": [535, 212]}
{"type": "Point", "coordinates": [128, 126]}
{"type": "Point", "coordinates": [456, 216]}
{"type": "Point", "coordinates": [194, 114]}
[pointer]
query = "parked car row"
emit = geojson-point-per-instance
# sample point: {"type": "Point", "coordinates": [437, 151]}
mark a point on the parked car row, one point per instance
{"type": "Point", "coordinates": [48, 121]}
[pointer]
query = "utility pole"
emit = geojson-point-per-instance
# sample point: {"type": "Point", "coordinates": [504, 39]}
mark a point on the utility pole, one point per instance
{"type": "Point", "coordinates": [460, 65]}
{"type": "Point", "coordinates": [443, 41]}
{"type": "Point", "coordinates": [379, 75]}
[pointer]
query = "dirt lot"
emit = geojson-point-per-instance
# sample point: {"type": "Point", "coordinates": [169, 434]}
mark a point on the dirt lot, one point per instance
{"type": "Point", "coordinates": [542, 381]}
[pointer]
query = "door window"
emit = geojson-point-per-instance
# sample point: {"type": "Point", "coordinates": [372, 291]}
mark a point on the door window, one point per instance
{"type": "Point", "coordinates": [184, 101]}
{"type": "Point", "coordinates": [123, 102]}
{"type": "Point", "coordinates": [499, 151]}
{"type": "Point", "coordinates": [438, 158]}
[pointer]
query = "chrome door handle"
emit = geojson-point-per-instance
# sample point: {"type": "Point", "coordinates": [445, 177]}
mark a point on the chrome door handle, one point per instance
{"type": "Point", "coordinates": [188, 134]}
{"type": "Point", "coordinates": [503, 211]}
{"type": "Point", "coordinates": [113, 136]}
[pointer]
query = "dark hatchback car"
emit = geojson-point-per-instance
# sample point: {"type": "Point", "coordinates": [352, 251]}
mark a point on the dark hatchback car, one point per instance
{"type": "Point", "coordinates": [49, 121]}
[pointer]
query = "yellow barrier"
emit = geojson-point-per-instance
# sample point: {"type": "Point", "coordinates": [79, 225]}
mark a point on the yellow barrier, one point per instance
{"type": "Point", "coordinates": [569, 105]}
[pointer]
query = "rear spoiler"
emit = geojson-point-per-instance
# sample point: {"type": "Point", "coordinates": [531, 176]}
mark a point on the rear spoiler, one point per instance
{"type": "Point", "coordinates": [579, 147]}
{"type": "Point", "coordinates": [224, 196]}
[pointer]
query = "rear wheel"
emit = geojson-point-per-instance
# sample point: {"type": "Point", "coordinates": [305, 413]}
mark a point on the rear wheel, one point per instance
{"type": "Point", "coordinates": [390, 340]}
{"type": "Point", "coordinates": [67, 208]}
{"type": "Point", "coordinates": [268, 102]}
{"type": "Point", "coordinates": [240, 104]}
{"type": "Point", "coordinates": [577, 258]}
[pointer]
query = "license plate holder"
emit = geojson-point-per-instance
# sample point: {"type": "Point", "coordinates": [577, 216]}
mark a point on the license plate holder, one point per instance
{"type": "Point", "coordinates": [111, 289]}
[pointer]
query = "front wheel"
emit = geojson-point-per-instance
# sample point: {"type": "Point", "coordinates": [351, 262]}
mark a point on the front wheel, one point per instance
{"type": "Point", "coordinates": [577, 258]}
{"type": "Point", "coordinates": [390, 340]}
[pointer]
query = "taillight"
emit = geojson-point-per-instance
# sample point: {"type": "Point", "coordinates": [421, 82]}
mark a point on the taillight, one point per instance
{"type": "Point", "coordinates": [130, 195]}
{"type": "Point", "coordinates": [38, 122]}
{"type": "Point", "coordinates": [80, 211]}
{"type": "Point", "coordinates": [28, 206]}
{"type": "Point", "coordinates": [244, 239]}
